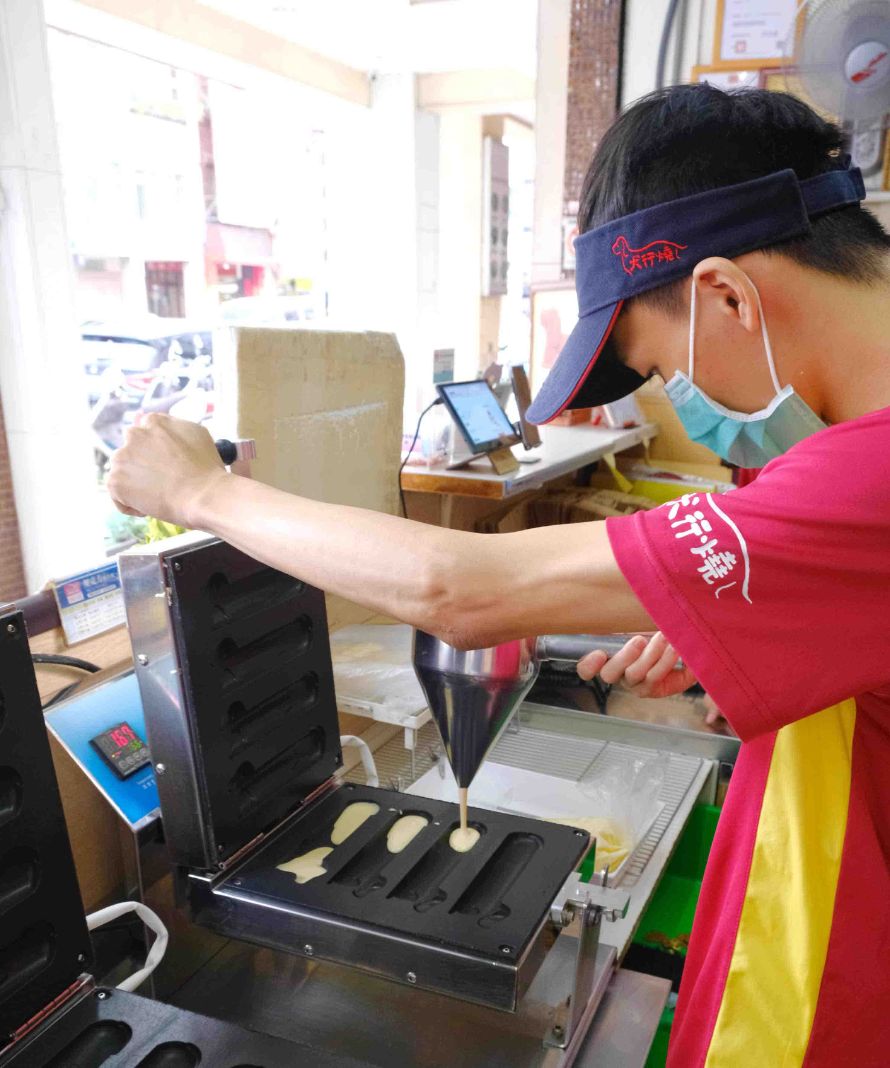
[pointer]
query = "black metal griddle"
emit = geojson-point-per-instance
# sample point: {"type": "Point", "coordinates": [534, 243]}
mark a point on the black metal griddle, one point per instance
{"type": "Point", "coordinates": [233, 661]}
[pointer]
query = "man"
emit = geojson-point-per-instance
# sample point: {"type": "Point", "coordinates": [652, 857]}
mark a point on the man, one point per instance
{"type": "Point", "coordinates": [723, 248]}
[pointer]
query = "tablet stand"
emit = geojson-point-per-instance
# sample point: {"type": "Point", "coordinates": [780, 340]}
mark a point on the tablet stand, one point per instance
{"type": "Point", "coordinates": [502, 460]}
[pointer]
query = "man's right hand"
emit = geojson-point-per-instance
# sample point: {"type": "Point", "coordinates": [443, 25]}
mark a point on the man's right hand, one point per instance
{"type": "Point", "coordinates": [166, 466]}
{"type": "Point", "coordinates": [645, 667]}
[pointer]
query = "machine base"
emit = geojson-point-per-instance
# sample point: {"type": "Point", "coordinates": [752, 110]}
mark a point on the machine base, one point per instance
{"type": "Point", "coordinates": [474, 925]}
{"type": "Point", "coordinates": [349, 1013]}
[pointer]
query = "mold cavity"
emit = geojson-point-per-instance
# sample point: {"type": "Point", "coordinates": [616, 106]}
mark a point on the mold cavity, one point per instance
{"type": "Point", "coordinates": [280, 774]}
{"type": "Point", "coordinates": [241, 663]}
{"type": "Point", "coordinates": [365, 871]}
{"type": "Point", "coordinates": [351, 818]}
{"type": "Point", "coordinates": [309, 866]}
{"type": "Point", "coordinates": [256, 593]}
{"type": "Point", "coordinates": [404, 831]}
{"type": "Point", "coordinates": [484, 896]}
{"type": "Point", "coordinates": [25, 958]}
{"type": "Point", "coordinates": [10, 794]}
{"type": "Point", "coordinates": [422, 886]}
{"type": "Point", "coordinates": [94, 1045]}
{"type": "Point", "coordinates": [250, 723]}
{"type": "Point", "coordinates": [172, 1055]}
{"type": "Point", "coordinates": [19, 876]}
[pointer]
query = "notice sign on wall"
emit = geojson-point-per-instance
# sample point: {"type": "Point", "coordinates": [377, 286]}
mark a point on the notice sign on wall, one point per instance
{"type": "Point", "coordinates": [90, 602]}
{"type": "Point", "coordinates": [443, 365]}
{"type": "Point", "coordinates": [755, 30]}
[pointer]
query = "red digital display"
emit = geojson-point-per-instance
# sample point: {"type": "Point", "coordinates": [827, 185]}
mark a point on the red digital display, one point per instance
{"type": "Point", "coordinates": [122, 749]}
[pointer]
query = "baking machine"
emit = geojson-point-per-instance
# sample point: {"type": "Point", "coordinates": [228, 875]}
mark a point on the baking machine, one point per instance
{"type": "Point", "coordinates": [52, 1012]}
{"type": "Point", "coordinates": [234, 670]}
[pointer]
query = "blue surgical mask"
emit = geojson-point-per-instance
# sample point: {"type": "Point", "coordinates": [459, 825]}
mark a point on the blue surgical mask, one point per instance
{"type": "Point", "coordinates": [741, 439]}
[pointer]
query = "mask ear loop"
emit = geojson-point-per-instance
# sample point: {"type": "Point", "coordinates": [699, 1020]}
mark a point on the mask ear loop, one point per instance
{"type": "Point", "coordinates": [766, 343]}
{"type": "Point", "coordinates": [692, 333]}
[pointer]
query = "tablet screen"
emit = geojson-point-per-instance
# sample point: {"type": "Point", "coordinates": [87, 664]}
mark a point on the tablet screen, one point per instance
{"type": "Point", "coordinates": [476, 411]}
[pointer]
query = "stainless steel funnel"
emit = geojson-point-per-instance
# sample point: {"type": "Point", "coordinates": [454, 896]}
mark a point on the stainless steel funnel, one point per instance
{"type": "Point", "coordinates": [473, 693]}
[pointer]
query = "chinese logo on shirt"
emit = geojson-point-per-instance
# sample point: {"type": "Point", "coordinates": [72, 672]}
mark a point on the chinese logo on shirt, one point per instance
{"type": "Point", "coordinates": [714, 561]}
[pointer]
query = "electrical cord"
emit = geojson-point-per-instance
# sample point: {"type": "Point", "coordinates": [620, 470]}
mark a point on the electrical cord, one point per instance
{"type": "Point", "coordinates": [65, 661]}
{"type": "Point", "coordinates": [66, 691]}
{"type": "Point", "coordinates": [151, 920]}
{"type": "Point", "coordinates": [665, 41]}
{"type": "Point", "coordinates": [433, 404]}
{"type": "Point", "coordinates": [60, 660]}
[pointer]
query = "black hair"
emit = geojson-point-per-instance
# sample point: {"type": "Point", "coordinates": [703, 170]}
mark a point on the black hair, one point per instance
{"type": "Point", "coordinates": [687, 139]}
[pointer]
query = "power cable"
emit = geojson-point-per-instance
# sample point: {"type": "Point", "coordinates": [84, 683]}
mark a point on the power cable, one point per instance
{"type": "Point", "coordinates": [433, 404]}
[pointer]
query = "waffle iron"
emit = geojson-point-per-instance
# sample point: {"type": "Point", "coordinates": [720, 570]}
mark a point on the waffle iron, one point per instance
{"type": "Point", "coordinates": [234, 667]}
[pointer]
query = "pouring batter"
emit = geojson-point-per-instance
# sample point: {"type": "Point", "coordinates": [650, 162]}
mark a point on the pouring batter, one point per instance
{"type": "Point", "coordinates": [722, 247]}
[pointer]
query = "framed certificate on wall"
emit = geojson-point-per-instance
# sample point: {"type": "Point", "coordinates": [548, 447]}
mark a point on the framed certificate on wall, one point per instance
{"type": "Point", "coordinates": [754, 33]}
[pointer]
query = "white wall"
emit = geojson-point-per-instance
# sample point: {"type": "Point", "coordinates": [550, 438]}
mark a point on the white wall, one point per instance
{"type": "Point", "coordinates": [40, 371]}
{"type": "Point", "coordinates": [692, 36]}
{"type": "Point", "coordinates": [460, 238]}
{"type": "Point", "coordinates": [554, 21]}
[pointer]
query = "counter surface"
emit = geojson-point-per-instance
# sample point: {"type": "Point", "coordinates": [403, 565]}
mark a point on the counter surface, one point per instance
{"type": "Point", "coordinates": [564, 449]}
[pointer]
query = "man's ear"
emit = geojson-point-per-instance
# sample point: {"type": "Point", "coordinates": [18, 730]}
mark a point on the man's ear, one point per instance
{"type": "Point", "coordinates": [725, 286]}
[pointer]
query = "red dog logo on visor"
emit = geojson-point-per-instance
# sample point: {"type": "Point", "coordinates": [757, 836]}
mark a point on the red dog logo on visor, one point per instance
{"type": "Point", "coordinates": [639, 259]}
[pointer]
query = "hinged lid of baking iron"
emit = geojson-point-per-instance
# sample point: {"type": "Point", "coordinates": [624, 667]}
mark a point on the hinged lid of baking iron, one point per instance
{"type": "Point", "coordinates": [234, 668]}
{"type": "Point", "coordinates": [44, 943]}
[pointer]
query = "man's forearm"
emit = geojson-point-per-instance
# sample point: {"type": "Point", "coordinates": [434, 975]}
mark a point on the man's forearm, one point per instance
{"type": "Point", "coordinates": [473, 590]}
{"type": "Point", "coordinates": [385, 563]}
{"type": "Point", "coordinates": [470, 589]}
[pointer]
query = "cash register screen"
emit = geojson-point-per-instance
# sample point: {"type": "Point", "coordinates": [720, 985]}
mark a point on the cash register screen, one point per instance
{"type": "Point", "coordinates": [481, 420]}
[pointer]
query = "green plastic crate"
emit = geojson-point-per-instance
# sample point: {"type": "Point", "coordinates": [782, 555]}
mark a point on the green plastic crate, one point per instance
{"type": "Point", "coordinates": [672, 909]}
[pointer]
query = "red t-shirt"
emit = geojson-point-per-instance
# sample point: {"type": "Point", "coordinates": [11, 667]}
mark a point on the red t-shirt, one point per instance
{"type": "Point", "coordinates": [778, 597]}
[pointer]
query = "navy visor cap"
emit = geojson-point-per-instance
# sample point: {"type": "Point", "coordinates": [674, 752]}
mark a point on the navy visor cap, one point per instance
{"type": "Point", "coordinates": [658, 245]}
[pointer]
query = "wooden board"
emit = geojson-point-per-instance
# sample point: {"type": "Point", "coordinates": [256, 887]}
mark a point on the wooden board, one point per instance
{"type": "Point", "coordinates": [325, 409]}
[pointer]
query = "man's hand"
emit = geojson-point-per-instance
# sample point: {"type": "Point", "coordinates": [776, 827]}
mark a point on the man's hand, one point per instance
{"type": "Point", "coordinates": [714, 717]}
{"type": "Point", "coordinates": [165, 469]}
{"type": "Point", "coordinates": [645, 667]}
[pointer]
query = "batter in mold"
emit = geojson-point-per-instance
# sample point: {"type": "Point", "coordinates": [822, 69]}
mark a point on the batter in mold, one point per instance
{"type": "Point", "coordinates": [351, 818]}
{"type": "Point", "coordinates": [404, 831]}
{"type": "Point", "coordinates": [309, 866]}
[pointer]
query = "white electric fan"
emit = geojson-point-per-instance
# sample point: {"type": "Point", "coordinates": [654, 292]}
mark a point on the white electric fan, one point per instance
{"type": "Point", "coordinates": [842, 64]}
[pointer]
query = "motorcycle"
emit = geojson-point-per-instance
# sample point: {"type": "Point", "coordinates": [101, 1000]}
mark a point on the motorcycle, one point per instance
{"type": "Point", "coordinates": [177, 388]}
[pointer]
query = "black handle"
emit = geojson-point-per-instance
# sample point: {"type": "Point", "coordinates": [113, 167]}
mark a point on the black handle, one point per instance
{"type": "Point", "coordinates": [228, 451]}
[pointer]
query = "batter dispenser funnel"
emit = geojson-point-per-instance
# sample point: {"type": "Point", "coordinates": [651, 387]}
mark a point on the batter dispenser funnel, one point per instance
{"type": "Point", "coordinates": [473, 694]}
